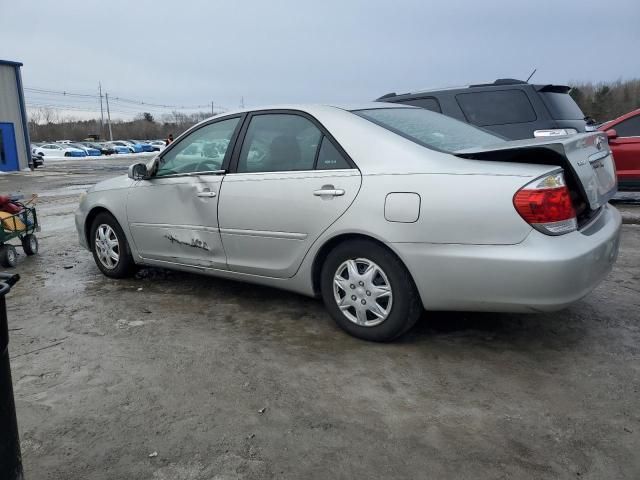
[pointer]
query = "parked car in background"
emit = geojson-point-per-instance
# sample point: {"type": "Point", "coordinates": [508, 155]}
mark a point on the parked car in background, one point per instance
{"type": "Point", "coordinates": [58, 150]}
{"type": "Point", "coordinates": [146, 147]}
{"type": "Point", "coordinates": [508, 107]}
{"type": "Point", "coordinates": [137, 148]}
{"type": "Point", "coordinates": [127, 145]}
{"type": "Point", "coordinates": [90, 151]}
{"type": "Point", "coordinates": [382, 210]}
{"type": "Point", "coordinates": [119, 147]}
{"type": "Point", "coordinates": [158, 145]}
{"type": "Point", "coordinates": [624, 140]}
{"type": "Point", "coordinates": [37, 160]}
{"type": "Point", "coordinates": [104, 150]}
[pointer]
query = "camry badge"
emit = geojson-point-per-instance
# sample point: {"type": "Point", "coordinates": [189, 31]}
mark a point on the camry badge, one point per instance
{"type": "Point", "coordinates": [599, 143]}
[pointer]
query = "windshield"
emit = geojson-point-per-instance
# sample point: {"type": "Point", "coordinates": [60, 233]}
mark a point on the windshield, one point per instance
{"type": "Point", "coordinates": [430, 129]}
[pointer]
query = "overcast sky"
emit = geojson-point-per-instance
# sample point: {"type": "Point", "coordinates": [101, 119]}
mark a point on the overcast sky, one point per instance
{"type": "Point", "coordinates": [275, 51]}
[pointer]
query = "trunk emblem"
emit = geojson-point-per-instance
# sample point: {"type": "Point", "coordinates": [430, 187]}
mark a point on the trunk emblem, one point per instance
{"type": "Point", "coordinates": [599, 143]}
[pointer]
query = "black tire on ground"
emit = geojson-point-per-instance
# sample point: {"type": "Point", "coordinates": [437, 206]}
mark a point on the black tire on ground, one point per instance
{"type": "Point", "coordinates": [8, 256]}
{"type": "Point", "coordinates": [406, 307]}
{"type": "Point", "coordinates": [30, 244]}
{"type": "Point", "coordinates": [125, 267]}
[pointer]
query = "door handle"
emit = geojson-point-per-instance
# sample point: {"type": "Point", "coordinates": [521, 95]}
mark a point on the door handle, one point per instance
{"type": "Point", "coordinates": [329, 192]}
{"type": "Point", "coordinates": [206, 194]}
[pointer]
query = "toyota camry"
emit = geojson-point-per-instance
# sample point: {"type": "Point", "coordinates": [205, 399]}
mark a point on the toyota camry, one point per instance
{"type": "Point", "coordinates": [381, 210]}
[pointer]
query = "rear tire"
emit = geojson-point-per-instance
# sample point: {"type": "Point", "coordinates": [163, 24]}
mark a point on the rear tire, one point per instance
{"type": "Point", "coordinates": [8, 256]}
{"type": "Point", "coordinates": [110, 248]}
{"type": "Point", "coordinates": [30, 244]}
{"type": "Point", "coordinates": [369, 292]}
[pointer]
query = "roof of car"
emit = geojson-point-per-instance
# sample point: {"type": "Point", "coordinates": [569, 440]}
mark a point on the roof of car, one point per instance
{"type": "Point", "coordinates": [313, 107]}
{"type": "Point", "coordinates": [501, 82]}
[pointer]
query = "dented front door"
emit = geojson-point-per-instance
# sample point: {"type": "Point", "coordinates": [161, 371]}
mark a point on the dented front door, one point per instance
{"type": "Point", "coordinates": [175, 220]}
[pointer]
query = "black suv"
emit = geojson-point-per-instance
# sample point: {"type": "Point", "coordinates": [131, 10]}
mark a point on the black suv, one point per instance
{"type": "Point", "coordinates": [511, 108]}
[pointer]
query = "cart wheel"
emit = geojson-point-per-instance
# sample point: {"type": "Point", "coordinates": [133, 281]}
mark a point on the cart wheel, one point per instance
{"type": "Point", "coordinates": [8, 256]}
{"type": "Point", "coordinates": [30, 244]}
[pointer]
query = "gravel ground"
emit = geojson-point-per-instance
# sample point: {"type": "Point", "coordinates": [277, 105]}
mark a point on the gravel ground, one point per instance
{"type": "Point", "coordinates": [229, 380]}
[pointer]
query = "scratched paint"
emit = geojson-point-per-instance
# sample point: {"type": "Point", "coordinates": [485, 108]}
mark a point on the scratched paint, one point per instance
{"type": "Point", "coordinates": [195, 242]}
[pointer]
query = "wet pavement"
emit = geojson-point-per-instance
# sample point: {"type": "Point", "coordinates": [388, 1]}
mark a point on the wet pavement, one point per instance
{"type": "Point", "coordinates": [229, 380]}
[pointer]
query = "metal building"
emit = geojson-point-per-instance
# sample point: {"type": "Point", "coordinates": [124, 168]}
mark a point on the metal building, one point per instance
{"type": "Point", "coordinates": [15, 148]}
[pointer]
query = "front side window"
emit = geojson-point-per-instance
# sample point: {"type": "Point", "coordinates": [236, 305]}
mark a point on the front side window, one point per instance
{"type": "Point", "coordinates": [629, 127]}
{"type": "Point", "coordinates": [279, 142]}
{"type": "Point", "coordinates": [430, 129]}
{"type": "Point", "coordinates": [200, 151]}
{"type": "Point", "coordinates": [496, 108]}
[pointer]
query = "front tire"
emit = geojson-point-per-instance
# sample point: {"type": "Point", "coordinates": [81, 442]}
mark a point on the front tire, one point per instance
{"type": "Point", "coordinates": [110, 248]}
{"type": "Point", "coordinates": [369, 292]}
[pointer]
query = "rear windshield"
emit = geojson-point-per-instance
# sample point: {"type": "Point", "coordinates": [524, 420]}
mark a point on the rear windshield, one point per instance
{"type": "Point", "coordinates": [562, 106]}
{"type": "Point", "coordinates": [500, 107]}
{"type": "Point", "coordinates": [430, 129]}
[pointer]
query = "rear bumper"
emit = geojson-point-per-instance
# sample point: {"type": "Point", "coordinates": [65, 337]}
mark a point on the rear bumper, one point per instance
{"type": "Point", "coordinates": [542, 273]}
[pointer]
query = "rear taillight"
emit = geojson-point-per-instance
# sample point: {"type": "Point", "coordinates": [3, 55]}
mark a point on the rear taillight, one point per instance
{"type": "Point", "coordinates": [545, 204]}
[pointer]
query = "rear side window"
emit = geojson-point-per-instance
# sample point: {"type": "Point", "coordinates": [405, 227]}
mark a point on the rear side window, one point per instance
{"type": "Point", "coordinates": [329, 157]}
{"type": "Point", "coordinates": [496, 108]}
{"type": "Point", "coordinates": [279, 142]}
{"type": "Point", "coordinates": [428, 103]}
{"type": "Point", "coordinates": [629, 127]}
{"type": "Point", "coordinates": [561, 106]}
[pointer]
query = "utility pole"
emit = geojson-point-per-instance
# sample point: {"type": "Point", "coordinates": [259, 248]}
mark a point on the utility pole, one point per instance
{"type": "Point", "coordinates": [212, 114]}
{"type": "Point", "coordinates": [242, 102]}
{"type": "Point", "coordinates": [106, 96]}
{"type": "Point", "coordinates": [101, 111]}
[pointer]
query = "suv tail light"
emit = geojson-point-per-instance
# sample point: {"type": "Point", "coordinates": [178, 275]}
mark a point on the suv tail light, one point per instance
{"type": "Point", "coordinates": [545, 204]}
{"type": "Point", "coordinates": [554, 132]}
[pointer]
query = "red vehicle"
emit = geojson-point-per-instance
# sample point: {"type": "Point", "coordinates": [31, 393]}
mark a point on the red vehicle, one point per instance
{"type": "Point", "coordinates": [624, 139]}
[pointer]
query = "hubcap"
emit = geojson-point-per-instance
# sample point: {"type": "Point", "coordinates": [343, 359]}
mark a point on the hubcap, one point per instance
{"type": "Point", "coordinates": [363, 292]}
{"type": "Point", "coordinates": [11, 256]}
{"type": "Point", "coordinates": [107, 246]}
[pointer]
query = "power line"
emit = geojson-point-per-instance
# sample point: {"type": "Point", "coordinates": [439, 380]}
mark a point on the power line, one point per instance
{"type": "Point", "coordinates": [79, 96]}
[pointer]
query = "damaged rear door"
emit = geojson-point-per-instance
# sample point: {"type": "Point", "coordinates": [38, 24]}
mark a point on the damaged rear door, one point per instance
{"type": "Point", "coordinates": [173, 216]}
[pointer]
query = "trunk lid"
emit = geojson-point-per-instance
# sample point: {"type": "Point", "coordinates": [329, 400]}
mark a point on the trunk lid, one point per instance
{"type": "Point", "coordinates": [586, 156]}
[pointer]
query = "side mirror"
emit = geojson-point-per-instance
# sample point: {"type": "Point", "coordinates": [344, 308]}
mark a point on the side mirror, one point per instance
{"type": "Point", "coordinates": [611, 134]}
{"type": "Point", "coordinates": [138, 171]}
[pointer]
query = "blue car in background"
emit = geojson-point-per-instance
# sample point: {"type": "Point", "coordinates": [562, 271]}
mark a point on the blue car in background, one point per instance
{"type": "Point", "coordinates": [90, 151]}
{"type": "Point", "coordinates": [117, 148]}
{"type": "Point", "coordinates": [137, 148]}
{"type": "Point", "coordinates": [143, 145]}
{"type": "Point", "coordinates": [128, 145]}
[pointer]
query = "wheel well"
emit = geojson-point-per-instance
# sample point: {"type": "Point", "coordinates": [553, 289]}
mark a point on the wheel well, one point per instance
{"type": "Point", "coordinates": [322, 254]}
{"type": "Point", "coordinates": [89, 221]}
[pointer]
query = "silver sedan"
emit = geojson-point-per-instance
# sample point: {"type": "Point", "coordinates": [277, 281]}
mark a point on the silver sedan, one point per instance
{"type": "Point", "coordinates": [381, 210]}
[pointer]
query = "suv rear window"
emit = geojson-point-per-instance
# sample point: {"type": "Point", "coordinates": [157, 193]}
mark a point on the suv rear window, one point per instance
{"type": "Point", "coordinates": [561, 106]}
{"type": "Point", "coordinates": [496, 107]}
{"type": "Point", "coordinates": [429, 129]}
